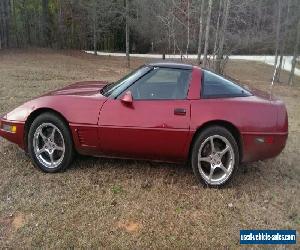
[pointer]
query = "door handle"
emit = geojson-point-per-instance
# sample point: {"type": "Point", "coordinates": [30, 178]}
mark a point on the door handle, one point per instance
{"type": "Point", "coordinates": [179, 111]}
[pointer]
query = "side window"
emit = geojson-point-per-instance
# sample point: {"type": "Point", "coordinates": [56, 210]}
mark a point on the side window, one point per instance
{"type": "Point", "coordinates": [162, 84]}
{"type": "Point", "coordinates": [214, 86]}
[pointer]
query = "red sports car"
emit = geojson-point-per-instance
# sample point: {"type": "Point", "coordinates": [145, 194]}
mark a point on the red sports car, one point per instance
{"type": "Point", "coordinates": [164, 111]}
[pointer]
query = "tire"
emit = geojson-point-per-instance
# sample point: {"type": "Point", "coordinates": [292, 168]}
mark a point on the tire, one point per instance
{"type": "Point", "coordinates": [50, 143]}
{"type": "Point", "coordinates": [215, 168]}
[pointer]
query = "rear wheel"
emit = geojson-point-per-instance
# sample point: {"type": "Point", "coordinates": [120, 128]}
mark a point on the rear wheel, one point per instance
{"type": "Point", "coordinates": [215, 156]}
{"type": "Point", "coordinates": [50, 143]}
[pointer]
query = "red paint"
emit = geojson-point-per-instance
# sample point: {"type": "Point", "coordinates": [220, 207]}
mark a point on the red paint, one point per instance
{"type": "Point", "coordinates": [127, 98]}
{"type": "Point", "coordinates": [269, 139]}
{"type": "Point", "coordinates": [156, 129]}
{"type": "Point", "coordinates": [195, 84]}
{"type": "Point", "coordinates": [138, 130]}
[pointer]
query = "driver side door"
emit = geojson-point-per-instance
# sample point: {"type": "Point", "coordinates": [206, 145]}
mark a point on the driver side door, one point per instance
{"type": "Point", "coordinates": [155, 125]}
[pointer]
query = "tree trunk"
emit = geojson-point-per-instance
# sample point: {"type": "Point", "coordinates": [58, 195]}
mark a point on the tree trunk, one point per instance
{"type": "Point", "coordinates": [127, 33]}
{"type": "Point", "coordinates": [15, 30]}
{"type": "Point", "coordinates": [4, 23]}
{"type": "Point", "coordinates": [94, 38]}
{"type": "Point", "coordinates": [26, 40]}
{"type": "Point", "coordinates": [222, 36]}
{"type": "Point", "coordinates": [259, 15]}
{"type": "Point", "coordinates": [278, 25]}
{"type": "Point", "coordinates": [27, 26]}
{"type": "Point", "coordinates": [283, 42]}
{"type": "Point", "coordinates": [295, 55]}
{"type": "Point", "coordinates": [72, 27]}
{"type": "Point", "coordinates": [188, 29]}
{"type": "Point", "coordinates": [60, 25]}
{"type": "Point", "coordinates": [277, 74]}
{"type": "Point", "coordinates": [45, 22]}
{"type": "Point", "coordinates": [1, 24]}
{"type": "Point", "coordinates": [7, 10]}
{"type": "Point", "coordinates": [207, 34]}
{"type": "Point", "coordinates": [95, 27]}
{"type": "Point", "coordinates": [4, 29]}
{"type": "Point", "coordinates": [200, 32]}
{"type": "Point", "coordinates": [217, 30]}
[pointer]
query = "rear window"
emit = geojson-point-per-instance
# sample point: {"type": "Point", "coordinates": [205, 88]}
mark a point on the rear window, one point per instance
{"type": "Point", "coordinates": [216, 86]}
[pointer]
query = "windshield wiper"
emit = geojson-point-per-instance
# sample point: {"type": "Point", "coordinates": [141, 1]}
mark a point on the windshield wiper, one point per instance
{"type": "Point", "coordinates": [106, 88]}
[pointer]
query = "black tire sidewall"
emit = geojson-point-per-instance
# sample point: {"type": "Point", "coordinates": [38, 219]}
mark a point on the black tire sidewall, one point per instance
{"type": "Point", "coordinates": [203, 135]}
{"type": "Point", "coordinates": [64, 129]}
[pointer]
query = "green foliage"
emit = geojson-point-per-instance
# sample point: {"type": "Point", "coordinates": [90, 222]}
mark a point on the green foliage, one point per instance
{"type": "Point", "coordinates": [116, 189]}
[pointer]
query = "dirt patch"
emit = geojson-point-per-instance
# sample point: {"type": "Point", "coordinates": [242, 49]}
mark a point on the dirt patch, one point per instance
{"type": "Point", "coordinates": [10, 224]}
{"type": "Point", "coordinates": [18, 221]}
{"type": "Point", "coordinates": [130, 226]}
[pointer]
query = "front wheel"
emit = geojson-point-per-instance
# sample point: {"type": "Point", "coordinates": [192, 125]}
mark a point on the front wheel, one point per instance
{"type": "Point", "coordinates": [50, 143]}
{"type": "Point", "coordinates": [215, 156]}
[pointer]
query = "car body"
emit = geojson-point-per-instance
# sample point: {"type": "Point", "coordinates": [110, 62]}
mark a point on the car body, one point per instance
{"type": "Point", "coordinates": [151, 121]}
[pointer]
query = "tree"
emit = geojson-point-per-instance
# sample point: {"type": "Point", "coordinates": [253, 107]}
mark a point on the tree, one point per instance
{"type": "Point", "coordinates": [295, 54]}
{"type": "Point", "coordinates": [188, 27]}
{"type": "Point", "coordinates": [94, 9]}
{"type": "Point", "coordinates": [45, 23]}
{"type": "Point", "coordinates": [282, 41]}
{"type": "Point", "coordinates": [278, 24]}
{"type": "Point", "coordinates": [4, 23]}
{"type": "Point", "coordinates": [217, 30]}
{"type": "Point", "coordinates": [200, 32]}
{"type": "Point", "coordinates": [219, 67]}
{"type": "Point", "coordinates": [207, 33]}
{"type": "Point", "coordinates": [173, 26]}
{"type": "Point", "coordinates": [127, 31]}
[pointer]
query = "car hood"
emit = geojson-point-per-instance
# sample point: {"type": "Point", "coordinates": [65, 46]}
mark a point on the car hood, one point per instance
{"type": "Point", "coordinates": [87, 88]}
{"type": "Point", "coordinates": [83, 97]}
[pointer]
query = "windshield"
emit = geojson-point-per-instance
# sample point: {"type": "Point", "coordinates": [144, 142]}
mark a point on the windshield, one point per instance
{"type": "Point", "coordinates": [122, 84]}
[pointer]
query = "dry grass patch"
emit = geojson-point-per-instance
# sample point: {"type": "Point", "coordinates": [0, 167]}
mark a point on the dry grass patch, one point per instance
{"type": "Point", "coordinates": [134, 204]}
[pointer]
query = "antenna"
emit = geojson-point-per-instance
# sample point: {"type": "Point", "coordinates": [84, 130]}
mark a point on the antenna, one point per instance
{"type": "Point", "coordinates": [272, 83]}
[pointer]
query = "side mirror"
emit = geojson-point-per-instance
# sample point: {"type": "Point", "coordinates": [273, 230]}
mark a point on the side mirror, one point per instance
{"type": "Point", "coordinates": [127, 97]}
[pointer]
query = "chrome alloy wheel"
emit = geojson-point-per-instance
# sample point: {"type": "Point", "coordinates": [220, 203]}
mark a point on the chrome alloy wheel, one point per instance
{"type": "Point", "coordinates": [49, 145]}
{"type": "Point", "coordinates": [216, 160]}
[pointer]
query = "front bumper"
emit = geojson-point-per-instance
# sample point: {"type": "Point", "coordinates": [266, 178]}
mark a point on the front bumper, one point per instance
{"type": "Point", "coordinates": [16, 137]}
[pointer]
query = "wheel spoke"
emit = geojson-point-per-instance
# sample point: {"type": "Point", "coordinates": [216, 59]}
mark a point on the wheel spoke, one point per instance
{"type": "Point", "coordinates": [205, 159]}
{"type": "Point", "coordinates": [59, 148]}
{"type": "Point", "coordinates": [51, 159]}
{"type": "Point", "coordinates": [52, 134]}
{"type": "Point", "coordinates": [40, 151]}
{"type": "Point", "coordinates": [42, 135]}
{"type": "Point", "coordinates": [224, 151]}
{"type": "Point", "coordinates": [223, 168]}
{"type": "Point", "coordinates": [211, 173]}
{"type": "Point", "coordinates": [212, 145]}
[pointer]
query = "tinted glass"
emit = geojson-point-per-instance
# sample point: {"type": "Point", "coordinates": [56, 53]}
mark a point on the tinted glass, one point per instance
{"type": "Point", "coordinates": [116, 87]}
{"type": "Point", "coordinates": [162, 83]}
{"type": "Point", "coordinates": [215, 85]}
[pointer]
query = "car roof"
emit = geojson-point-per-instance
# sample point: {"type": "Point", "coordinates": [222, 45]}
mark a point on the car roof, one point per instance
{"type": "Point", "coordinates": [172, 65]}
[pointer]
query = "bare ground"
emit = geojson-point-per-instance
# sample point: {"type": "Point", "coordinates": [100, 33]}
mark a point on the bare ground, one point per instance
{"type": "Point", "coordinates": [135, 204]}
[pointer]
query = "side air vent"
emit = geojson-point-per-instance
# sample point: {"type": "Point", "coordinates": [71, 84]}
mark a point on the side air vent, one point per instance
{"type": "Point", "coordinates": [87, 137]}
{"type": "Point", "coordinates": [81, 137]}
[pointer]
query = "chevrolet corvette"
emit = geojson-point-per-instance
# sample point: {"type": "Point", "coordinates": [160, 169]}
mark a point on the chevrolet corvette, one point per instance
{"type": "Point", "coordinates": [162, 111]}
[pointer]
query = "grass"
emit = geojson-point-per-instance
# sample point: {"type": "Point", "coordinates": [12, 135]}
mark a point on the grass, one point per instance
{"type": "Point", "coordinates": [135, 204]}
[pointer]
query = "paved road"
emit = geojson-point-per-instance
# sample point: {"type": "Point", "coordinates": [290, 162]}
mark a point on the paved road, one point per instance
{"type": "Point", "coordinates": [287, 60]}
